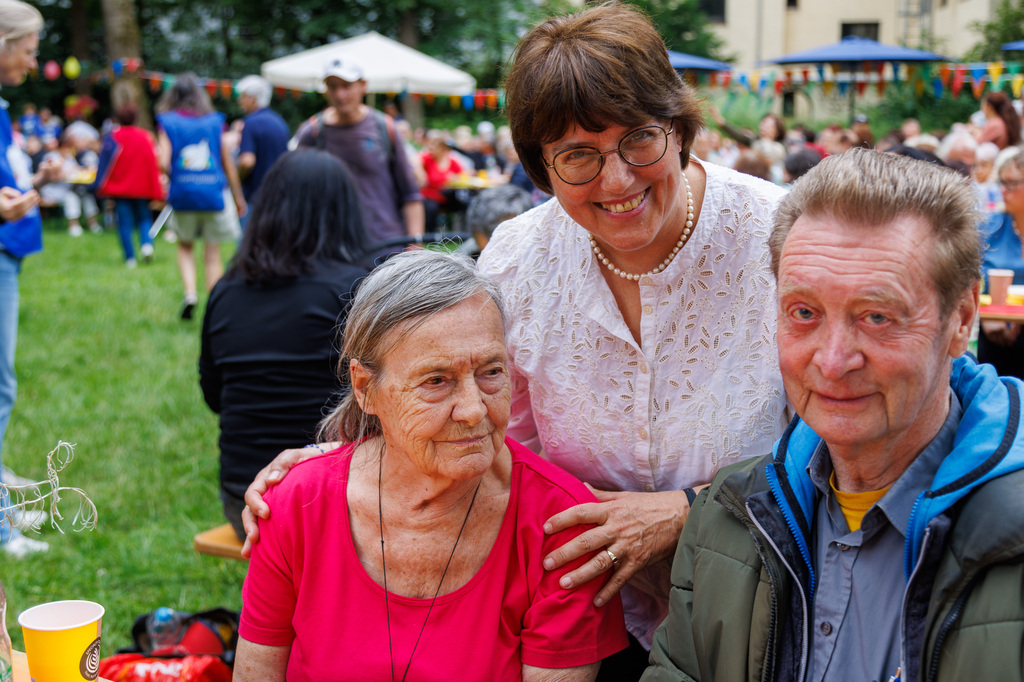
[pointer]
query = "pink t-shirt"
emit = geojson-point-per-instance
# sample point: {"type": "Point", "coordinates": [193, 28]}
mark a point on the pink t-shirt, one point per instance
{"type": "Point", "coordinates": [306, 588]}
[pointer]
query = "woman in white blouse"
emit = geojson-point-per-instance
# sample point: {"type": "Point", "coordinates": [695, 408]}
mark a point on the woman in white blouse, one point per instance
{"type": "Point", "coordinates": [641, 301]}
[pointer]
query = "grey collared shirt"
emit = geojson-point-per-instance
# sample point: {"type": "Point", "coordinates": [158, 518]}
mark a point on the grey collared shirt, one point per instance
{"type": "Point", "coordinates": [855, 626]}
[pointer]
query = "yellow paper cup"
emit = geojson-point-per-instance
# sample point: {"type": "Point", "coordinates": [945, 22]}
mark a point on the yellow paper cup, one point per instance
{"type": "Point", "coordinates": [62, 640]}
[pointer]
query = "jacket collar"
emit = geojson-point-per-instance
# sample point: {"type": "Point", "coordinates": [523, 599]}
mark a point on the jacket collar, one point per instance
{"type": "Point", "coordinates": [987, 445]}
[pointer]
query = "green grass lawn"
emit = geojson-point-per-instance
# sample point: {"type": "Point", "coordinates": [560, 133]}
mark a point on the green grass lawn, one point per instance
{"type": "Point", "coordinates": [104, 362]}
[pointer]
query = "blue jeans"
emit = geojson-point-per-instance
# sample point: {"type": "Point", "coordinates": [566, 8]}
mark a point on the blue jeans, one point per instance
{"type": "Point", "coordinates": [133, 214]}
{"type": "Point", "coordinates": [9, 269]}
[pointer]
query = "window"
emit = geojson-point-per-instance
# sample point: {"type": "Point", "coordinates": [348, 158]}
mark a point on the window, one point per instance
{"type": "Point", "coordinates": [792, 4]}
{"type": "Point", "coordinates": [715, 9]}
{"type": "Point", "coordinates": [861, 30]}
{"type": "Point", "coordinates": [788, 104]}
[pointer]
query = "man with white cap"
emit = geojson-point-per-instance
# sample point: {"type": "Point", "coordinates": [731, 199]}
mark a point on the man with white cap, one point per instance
{"type": "Point", "coordinates": [365, 140]}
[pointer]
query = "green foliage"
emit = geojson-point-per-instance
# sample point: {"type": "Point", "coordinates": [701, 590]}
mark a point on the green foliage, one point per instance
{"type": "Point", "coordinates": [935, 113]}
{"type": "Point", "coordinates": [228, 38]}
{"type": "Point", "coordinates": [104, 362]}
{"type": "Point", "coordinates": [1007, 25]}
{"type": "Point", "coordinates": [684, 27]}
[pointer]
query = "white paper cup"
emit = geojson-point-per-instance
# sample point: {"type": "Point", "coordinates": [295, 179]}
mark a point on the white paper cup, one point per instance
{"type": "Point", "coordinates": [999, 282]}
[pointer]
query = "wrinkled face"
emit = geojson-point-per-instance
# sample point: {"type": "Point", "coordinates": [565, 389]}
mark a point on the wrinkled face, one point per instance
{"type": "Point", "coordinates": [864, 351]}
{"type": "Point", "coordinates": [345, 96]}
{"type": "Point", "coordinates": [625, 207]}
{"type": "Point", "coordinates": [18, 58]}
{"type": "Point", "coordinates": [444, 395]}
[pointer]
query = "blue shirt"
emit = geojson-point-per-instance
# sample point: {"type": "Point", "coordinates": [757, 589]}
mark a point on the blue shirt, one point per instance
{"type": "Point", "coordinates": [266, 135]}
{"type": "Point", "coordinates": [30, 125]}
{"type": "Point", "coordinates": [855, 626]}
{"type": "Point", "coordinates": [21, 237]}
{"type": "Point", "coordinates": [1002, 247]}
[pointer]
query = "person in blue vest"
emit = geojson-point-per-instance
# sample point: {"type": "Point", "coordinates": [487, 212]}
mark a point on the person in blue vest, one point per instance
{"type": "Point", "coordinates": [264, 137]}
{"type": "Point", "coordinates": [21, 227]}
{"type": "Point", "coordinates": [203, 181]}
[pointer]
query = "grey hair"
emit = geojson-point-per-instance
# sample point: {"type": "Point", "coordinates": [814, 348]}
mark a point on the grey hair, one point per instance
{"type": "Point", "coordinates": [17, 20]}
{"type": "Point", "coordinates": [872, 188]}
{"type": "Point", "coordinates": [256, 87]}
{"type": "Point", "coordinates": [493, 206]}
{"type": "Point", "coordinates": [393, 300]}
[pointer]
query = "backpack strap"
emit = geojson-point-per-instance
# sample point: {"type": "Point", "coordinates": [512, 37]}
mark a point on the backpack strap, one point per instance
{"type": "Point", "coordinates": [386, 128]}
{"type": "Point", "coordinates": [319, 135]}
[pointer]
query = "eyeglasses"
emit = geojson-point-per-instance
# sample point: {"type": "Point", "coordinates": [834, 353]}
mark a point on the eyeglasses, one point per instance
{"type": "Point", "coordinates": [641, 147]}
{"type": "Point", "coordinates": [1011, 185]}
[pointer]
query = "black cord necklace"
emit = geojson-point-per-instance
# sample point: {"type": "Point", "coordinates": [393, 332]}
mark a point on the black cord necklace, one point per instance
{"type": "Point", "coordinates": [384, 566]}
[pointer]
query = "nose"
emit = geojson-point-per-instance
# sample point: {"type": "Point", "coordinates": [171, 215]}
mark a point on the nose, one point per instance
{"type": "Point", "coordinates": [616, 174]}
{"type": "Point", "coordinates": [838, 353]}
{"type": "Point", "coordinates": [469, 407]}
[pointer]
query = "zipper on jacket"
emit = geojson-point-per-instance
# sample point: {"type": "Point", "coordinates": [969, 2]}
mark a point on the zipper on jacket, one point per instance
{"type": "Point", "coordinates": [794, 528]}
{"type": "Point", "coordinates": [906, 594]}
{"type": "Point", "coordinates": [947, 625]}
{"type": "Point", "coordinates": [803, 595]}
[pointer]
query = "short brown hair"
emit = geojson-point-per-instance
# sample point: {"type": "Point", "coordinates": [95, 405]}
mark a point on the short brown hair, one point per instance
{"type": "Point", "coordinates": [871, 188]}
{"type": "Point", "coordinates": [601, 67]}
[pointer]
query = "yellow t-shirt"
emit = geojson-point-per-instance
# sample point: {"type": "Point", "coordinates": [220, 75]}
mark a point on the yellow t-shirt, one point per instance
{"type": "Point", "coordinates": [855, 505]}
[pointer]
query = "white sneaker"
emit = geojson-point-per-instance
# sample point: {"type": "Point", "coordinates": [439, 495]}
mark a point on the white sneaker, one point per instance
{"type": "Point", "coordinates": [147, 253]}
{"type": "Point", "coordinates": [75, 230]}
{"type": "Point", "coordinates": [131, 264]}
{"type": "Point", "coordinates": [8, 476]}
{"type": "Point", "coordinates": [29, 518]}
{"type": "Point", "coordinates": [21, 546]}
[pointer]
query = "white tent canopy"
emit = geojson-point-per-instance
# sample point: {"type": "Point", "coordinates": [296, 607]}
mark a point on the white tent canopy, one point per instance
{"type": "Point", "coordinates": [389, 66]}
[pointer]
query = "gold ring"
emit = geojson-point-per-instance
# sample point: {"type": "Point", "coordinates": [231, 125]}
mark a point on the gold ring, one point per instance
{"type": "Point", "coordinates": [615, 559]}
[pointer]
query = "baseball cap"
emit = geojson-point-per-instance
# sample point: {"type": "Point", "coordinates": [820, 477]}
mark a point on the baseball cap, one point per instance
{"type": "Point", "coordinates": [345, 69]}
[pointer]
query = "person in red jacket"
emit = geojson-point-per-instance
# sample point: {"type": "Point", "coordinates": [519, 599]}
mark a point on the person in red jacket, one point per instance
{"type": "Point", "coordinates": [128, 173]}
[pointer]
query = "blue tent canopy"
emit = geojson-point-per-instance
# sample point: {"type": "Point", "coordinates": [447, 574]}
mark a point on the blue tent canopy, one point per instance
{"type": "Point", "coordinates": [1015, 45]}
{"type": "Point", "coordinates": [854, 49]}
{"type": "Point", "coordinates": [681, 61]}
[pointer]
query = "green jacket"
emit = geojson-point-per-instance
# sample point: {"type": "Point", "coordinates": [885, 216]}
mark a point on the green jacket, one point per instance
{"type": "Point", "coordinates": [740, 601]}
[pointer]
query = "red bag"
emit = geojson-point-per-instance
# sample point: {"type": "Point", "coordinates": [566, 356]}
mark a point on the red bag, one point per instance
{"type": "Point", "coordinates": [139, 668]}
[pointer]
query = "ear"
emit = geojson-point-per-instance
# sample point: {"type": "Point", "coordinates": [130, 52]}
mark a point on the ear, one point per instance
{"type": "Point", "coordinates": [360, 380]}
{"type": "Point", "coordinates": [962, 320]}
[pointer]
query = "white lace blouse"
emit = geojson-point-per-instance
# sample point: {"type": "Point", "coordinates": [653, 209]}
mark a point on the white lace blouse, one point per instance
{"type": "Point", "coordinates": [701, 391]}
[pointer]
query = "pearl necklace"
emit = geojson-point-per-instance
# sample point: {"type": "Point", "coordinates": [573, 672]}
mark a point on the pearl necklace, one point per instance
{"type": "Point", "coordinates": [687, 230]}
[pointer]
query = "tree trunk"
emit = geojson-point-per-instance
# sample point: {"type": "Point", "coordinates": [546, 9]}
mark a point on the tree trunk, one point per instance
{"type": "Point", "coordinates": [412, 108]}
{"type": "Point", "coordinates": [80, 42]}
{"type": "Point", "coordinates": [121, 29]}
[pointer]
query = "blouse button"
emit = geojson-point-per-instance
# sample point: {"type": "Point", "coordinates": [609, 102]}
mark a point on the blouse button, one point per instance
{"type": "Point", "coordinates": [648, 310]}
{"type": "Point", "coordinates": [643, 368]}
{"type": "Point", "coordinates": [826, 628]}
{"type": "Point", "coordinates": [645, 280]}
{"type": "Point", "coordinates": [643, 434]}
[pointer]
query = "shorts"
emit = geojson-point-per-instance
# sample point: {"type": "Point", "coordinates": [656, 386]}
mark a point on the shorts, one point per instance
{"type": "Point", "coordinates": [214, 227]}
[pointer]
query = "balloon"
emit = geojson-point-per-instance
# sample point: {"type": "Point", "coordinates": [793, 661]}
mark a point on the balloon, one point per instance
{"type": "Point", "coordinates": [51, 70]}
{"type": "Point", "coordinates": [118, 66]}
{"type": "Point", "coordinates": [72, 68]}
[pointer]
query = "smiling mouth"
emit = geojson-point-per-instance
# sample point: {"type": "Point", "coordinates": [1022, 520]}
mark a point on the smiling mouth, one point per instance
{"type": "Point", "coordinates": [627, 206]}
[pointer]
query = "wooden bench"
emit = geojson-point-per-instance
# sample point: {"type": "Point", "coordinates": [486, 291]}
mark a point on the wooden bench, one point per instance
{"type": "Point", "coordinates": [220, 541]}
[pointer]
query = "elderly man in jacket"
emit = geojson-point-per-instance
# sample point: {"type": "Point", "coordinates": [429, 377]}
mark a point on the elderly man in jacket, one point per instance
{"type": "Point", "coordinates": [883, 538]}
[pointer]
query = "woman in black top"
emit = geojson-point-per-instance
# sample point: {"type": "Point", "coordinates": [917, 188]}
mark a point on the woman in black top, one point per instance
{"type": "Point", "coordinates": [269, 345]}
